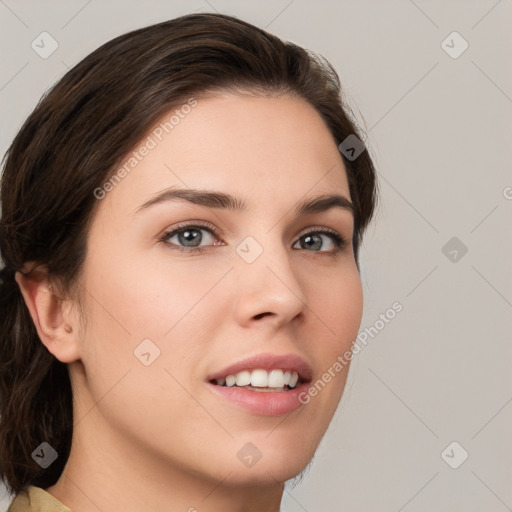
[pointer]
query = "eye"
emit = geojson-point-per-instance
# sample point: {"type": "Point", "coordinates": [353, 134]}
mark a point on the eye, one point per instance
{"type": "Point", "coordinates": [314, 240]}
{"type": "Point", "coordinates": [188, 237]}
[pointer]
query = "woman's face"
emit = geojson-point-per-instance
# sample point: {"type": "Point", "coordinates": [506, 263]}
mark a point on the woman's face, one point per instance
{"type": "Point", "coordinates": [163, 318]}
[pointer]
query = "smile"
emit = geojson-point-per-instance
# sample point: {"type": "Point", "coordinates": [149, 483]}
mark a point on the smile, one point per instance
{"type": "Point", "coordinates": [264, 384]}
{"type": "Point", "coordinates": [261, 380]}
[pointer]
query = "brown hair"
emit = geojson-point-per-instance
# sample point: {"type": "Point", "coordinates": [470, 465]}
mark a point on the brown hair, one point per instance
{"type": "Point", "coordinates": [69, 146]}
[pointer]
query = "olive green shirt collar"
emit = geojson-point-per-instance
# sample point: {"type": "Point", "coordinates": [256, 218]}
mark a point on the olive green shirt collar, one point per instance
{"type": "Point", "coordinates": [36, 499]}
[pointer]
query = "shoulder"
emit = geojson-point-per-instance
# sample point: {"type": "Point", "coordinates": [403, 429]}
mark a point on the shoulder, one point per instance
{"type": "Point", "coordinates": [36, 499]}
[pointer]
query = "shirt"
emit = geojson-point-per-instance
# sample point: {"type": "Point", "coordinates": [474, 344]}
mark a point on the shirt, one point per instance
{"type": "Point", "coordinates": [36, 499]}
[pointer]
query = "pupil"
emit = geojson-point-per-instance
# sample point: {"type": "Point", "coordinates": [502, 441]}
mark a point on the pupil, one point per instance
{"type": "Point", "coordinates": [310, 238]}
{"type": "Point", "coordinates": [190, 235]}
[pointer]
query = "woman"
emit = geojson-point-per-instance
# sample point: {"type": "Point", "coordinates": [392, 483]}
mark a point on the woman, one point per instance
{"type": "Point", "coordinates": [181, 220]}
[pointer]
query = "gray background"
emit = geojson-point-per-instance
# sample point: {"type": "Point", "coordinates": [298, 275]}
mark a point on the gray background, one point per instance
{"type": "Point", "coordinates": [440, 132]}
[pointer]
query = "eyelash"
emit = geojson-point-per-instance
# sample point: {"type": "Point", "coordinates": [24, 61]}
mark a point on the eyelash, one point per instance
{"type": "Point", "coordinates": [338, 240]}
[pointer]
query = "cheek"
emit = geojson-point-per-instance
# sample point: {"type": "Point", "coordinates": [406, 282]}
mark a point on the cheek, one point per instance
{"type": "Point", "coordinates": [339, 306]}
{"type": "Point", "coordinates": [160, 314]}
{"type": "Point", "coordinates": [149, 299]}
{"type": "Point", "coordinates": [351, 306]}
{"type": "Point", "coordinates": [176, 307]}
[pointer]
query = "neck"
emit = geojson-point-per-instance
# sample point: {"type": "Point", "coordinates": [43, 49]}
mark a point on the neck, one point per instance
{"type": "Point", "coordinates": [107, 471]}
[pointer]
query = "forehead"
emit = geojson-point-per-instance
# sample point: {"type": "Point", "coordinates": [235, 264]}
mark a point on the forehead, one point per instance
{"type": "Point", "coordinates": [269, 150]}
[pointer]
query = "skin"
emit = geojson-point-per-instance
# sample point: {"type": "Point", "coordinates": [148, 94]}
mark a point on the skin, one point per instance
{"type": "Point", "coordinates": [155, 437]}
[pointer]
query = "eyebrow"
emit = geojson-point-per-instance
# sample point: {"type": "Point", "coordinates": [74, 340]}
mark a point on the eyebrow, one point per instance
{"type": "Point", "coordinates": [221, 200]}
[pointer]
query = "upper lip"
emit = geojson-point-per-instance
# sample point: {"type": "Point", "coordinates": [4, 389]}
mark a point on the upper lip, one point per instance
{"type": "Point", "coordinates": [290, 362]}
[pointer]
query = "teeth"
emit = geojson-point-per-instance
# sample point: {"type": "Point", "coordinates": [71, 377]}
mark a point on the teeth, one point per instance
{"type": "Point", "coordinates": [293, 380]}
{"type": "Point", "coordinates": [261, 379]}
{"type": "Point", "coordinates": [276, 379]}
{"type": "Point", "coordinates": [243, 378]}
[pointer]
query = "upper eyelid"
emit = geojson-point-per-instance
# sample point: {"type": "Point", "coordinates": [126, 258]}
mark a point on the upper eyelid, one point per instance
{"type": "Point", "coordinates": [192, 224]}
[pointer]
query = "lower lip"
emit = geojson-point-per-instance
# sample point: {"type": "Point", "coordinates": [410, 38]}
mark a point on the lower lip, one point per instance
{"type": "Point", "coordinates": [270, 403]}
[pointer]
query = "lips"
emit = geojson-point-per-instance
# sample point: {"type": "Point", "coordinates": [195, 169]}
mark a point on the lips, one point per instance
{"type": "Point", "coordinates": [264, 401]}
{"type": "Point", "coordinates": [276, 403]}
{"type": "Point", "coordinates": [267, 361]}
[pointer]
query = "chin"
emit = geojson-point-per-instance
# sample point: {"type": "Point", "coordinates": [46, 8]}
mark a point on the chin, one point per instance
{"type": "Point", "coordinates": [267, 473]}
{"type": "Point", "coordinates": [267, 465]}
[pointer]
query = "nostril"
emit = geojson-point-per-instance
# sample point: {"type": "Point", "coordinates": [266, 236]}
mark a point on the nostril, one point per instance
{"type": "Point", "coordinates": [261, 315]}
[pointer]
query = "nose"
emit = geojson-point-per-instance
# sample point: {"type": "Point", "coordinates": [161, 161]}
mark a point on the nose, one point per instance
{"type": "Point", "coordinates": [268, 289]}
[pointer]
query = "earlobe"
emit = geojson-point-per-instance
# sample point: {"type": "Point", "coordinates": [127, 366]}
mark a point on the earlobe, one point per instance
{"type": "Point", "coordinates": [46, 309]}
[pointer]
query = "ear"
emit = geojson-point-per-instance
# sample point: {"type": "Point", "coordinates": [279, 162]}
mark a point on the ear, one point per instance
{"type": "Point", "coordinates": [57, 329]}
